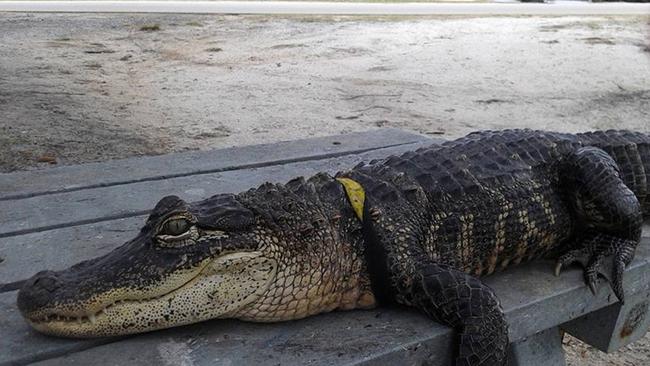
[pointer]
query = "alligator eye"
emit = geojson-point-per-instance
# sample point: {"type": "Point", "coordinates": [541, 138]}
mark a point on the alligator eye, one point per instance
{"type": "Point", "coordinates": [175, 227]}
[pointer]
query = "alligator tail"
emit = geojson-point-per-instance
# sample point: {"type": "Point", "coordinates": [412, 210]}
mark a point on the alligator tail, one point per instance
{"type": "Point", "coordinates": [631, 150]}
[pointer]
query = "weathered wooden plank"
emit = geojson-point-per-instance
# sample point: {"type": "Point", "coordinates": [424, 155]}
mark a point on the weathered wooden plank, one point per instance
{"type": "Point", "coordinates": [23, 255]}
{"type": "Point", "coordinates": [533, 299]}
{"type": "Point", "coordinates": [75, 177]}
{"type": "Point", "coordinates": [104, 203]}
{"type": "Point", "coordinates": [541, 349]}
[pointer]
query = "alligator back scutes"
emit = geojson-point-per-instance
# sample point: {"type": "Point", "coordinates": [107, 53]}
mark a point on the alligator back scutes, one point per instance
{"type": "Point", "coordinates": [631, 151]}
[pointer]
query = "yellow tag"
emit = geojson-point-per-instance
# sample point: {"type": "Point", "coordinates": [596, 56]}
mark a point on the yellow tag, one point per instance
{"type": "Point", "coordinates": [356, 195]}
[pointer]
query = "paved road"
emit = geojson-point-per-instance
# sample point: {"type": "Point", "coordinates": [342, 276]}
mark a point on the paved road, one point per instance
{"type": "Point", "coordinates": [299, 7]}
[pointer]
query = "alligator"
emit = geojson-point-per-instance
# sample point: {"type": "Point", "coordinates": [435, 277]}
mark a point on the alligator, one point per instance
{"type": "Point", "coordinates": [418, 229]}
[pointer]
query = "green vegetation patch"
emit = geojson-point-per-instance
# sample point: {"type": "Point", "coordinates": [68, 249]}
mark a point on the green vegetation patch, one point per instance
{"type": "Point", "coordinates": [150, 27]}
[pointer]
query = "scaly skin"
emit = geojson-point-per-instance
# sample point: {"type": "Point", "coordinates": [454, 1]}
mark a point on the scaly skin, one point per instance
{"type": "Point", "coordinates": [269, 254]}
{"type": "Point", "coordinates": [432, 222]}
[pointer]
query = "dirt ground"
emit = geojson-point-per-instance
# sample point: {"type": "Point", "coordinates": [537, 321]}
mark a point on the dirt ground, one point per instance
{"type": "Point", "coordinates": [79, 88]}
{"type": "Point", "coordinates": [92, 87]}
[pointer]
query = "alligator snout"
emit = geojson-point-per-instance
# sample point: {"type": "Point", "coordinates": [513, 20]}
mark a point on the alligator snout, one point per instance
{"type": "Point", "coordinates": [38, 291]}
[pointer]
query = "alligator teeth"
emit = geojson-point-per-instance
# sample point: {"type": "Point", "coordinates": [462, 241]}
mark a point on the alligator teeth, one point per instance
{"type": "Point", "coordinates": [92, 318]}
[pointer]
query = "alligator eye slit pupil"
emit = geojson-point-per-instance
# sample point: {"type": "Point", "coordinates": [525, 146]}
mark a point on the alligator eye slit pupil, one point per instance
{"type": "Point", "coordinates": [176, 227]}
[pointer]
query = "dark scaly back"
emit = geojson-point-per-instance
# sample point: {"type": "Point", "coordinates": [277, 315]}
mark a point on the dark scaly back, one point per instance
{"type": "Point", "coordinates": [495, 197]}
{"type": "Point", "coordinates": [631, 150]}
{"type": "Point", "coordinates": [491, 196]}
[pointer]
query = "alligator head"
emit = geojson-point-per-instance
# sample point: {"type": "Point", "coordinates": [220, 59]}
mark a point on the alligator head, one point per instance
{"type": "Point", "coordinates": [226, 257]}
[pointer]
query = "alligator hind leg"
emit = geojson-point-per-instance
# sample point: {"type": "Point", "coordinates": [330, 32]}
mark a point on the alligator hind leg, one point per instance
{"type": "Point", "coordinates": [604, 255]}
{"type": "Point", "coordinates": [608, 216]}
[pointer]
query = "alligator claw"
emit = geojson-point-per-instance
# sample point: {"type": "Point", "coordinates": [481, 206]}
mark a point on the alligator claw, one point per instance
{"type": "Point", "coordinates": [610, 268]}
{"type": "Point", "coordinates": [601, 258]}
{"type": "Point", "coordinates": [592, 264]}
{"type": "Point", "coordinates": [592, 287]}
{"type": "Point", "coordinates": [592, 270]}
{"type": "Point", "coordinates": [577, 255]}
{"type": "Point", "coordinates": [617, 276]}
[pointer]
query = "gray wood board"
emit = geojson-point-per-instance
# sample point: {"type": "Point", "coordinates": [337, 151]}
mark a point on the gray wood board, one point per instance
{"type": "Point", "coordinates": [24, 255]}
{"type": "Point", "coordinates": [75, 177]}
{"type": "Point", "coordinates": [532, 297]}
{"type": "Point", "coordinates": [45, 212]}
{"type": "Point", "coordinates": [71, 241]}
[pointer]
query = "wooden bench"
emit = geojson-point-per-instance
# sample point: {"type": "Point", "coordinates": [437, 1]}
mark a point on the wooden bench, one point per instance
{"type": "Point", "coordinates": [56, 217]}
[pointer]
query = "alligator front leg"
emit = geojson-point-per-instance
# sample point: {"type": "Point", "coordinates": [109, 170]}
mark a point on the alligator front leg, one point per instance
{"type": "Point", "coordinates": [608, 215]}
{"type": "Point", "coordinates": [401, 272]}
{"type": "Point", "coordinates": [466, 304]}
{"type": "Point", "coordinates": [442, 292]}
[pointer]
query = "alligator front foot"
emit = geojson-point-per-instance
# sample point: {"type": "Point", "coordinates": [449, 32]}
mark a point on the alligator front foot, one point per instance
{"type": "Point", "coordinates": [601, 255]}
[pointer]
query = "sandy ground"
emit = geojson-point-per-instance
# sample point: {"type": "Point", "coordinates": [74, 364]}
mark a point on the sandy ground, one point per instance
{"type": "Point", "coordinates": [80, 88]}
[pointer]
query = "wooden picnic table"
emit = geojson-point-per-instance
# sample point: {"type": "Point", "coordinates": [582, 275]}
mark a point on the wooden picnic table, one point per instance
{"type": "Point", "coordinates": [53, 218]}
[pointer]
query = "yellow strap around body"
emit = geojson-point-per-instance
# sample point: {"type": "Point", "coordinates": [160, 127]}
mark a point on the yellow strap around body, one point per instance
{"type": "Point", "coordinates": [356, 195]}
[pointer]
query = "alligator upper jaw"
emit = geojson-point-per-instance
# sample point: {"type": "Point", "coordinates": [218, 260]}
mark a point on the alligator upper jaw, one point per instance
{"type": "Point", "coordinates": [119, 318]}
{"type": "Point", "coordinates": [216, 288]}
{"type": "Point", "coordinates": [114, 315]}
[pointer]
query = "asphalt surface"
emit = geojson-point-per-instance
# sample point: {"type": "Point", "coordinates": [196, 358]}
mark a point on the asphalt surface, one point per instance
{"type": "Point", "coordinates": [338, 8]}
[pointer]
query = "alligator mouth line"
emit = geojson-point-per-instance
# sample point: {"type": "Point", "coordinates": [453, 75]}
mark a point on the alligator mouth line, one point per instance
{"type": "Point", "coordinates": [92, 318]}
